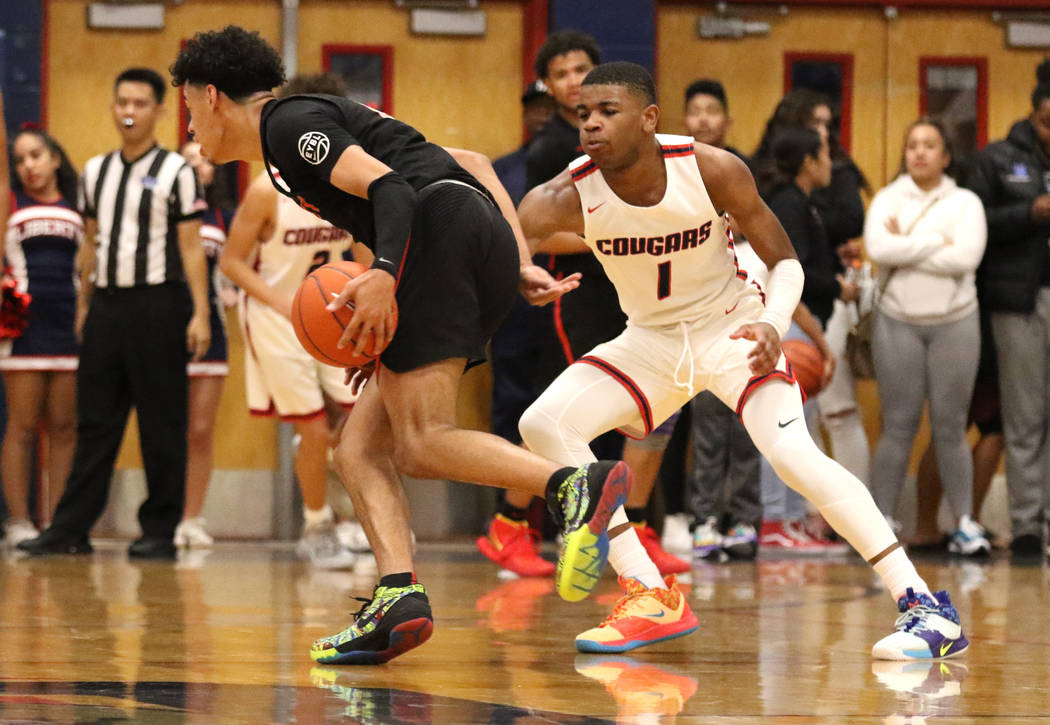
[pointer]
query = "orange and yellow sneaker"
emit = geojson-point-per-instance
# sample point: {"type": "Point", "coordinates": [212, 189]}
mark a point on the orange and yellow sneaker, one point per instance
{"type": "Point", "coordinates": [666, 562]}
{"type": "Point", "coordinates": [642, 617]}
{"type": "Point", "coordinates": [514, 546]}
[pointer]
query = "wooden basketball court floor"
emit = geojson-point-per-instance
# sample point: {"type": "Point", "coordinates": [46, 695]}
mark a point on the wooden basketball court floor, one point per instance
{"type": "Point", "coordinates": [224, 638]}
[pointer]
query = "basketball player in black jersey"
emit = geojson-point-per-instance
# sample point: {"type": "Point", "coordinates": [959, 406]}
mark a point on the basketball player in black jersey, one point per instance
{"type": "Point", "coordinates": [449, 256]}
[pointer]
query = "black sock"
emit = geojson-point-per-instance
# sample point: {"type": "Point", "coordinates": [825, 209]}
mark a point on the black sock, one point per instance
{"type": "Point", "coordinates": [513, 512]}
{"type": "Point", "coordinates": [636, 515]}
{"type": "Point", "coordinates": [395, 581]}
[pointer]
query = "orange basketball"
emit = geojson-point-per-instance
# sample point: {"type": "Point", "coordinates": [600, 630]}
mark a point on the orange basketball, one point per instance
{"type": "Point", "coordinates": [807, 364]}
{"type": "Point", "coordinates": [319, 329]}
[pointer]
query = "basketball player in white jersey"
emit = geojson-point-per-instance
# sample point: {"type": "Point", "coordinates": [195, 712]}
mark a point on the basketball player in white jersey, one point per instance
{"type": "Point", "coordinates": [653, 209]}
{"type": "Point", "coordinates": [272, 245]}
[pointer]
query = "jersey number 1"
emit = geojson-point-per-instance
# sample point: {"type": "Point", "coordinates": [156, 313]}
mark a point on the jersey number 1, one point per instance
{"type": "Point", "coordinates": [663, 280]}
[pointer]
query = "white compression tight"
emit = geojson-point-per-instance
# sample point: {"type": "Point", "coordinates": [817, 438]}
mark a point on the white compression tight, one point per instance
{"type": "Point", "coordinates": [580, 405]}
{"type": "Point", "coordinates": [773, 417]}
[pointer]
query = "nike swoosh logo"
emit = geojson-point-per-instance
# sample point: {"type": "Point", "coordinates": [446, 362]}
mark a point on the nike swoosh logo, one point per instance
{"type": "Point", "coordinates": [732, 308]}
{"type": "Point", "coordinates": [945, 647]}
{"type": "Point", "coordinates": [658, 616]}
{"type": "Point", "coordinates": [592, 209]}
{"type": "Point", "coordinates": [785, 425]}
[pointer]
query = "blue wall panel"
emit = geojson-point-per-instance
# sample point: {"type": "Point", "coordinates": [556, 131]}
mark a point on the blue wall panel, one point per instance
{"type": "Point", "coordinates": [625, 29]}
{"type": "Point", "coordinates": [22, 25]}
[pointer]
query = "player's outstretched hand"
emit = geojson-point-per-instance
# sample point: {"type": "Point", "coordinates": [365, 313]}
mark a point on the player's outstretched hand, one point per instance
{"type": "Point", "coordinates": [764, 355]}
{"type": "Point", "coordinates": [538, 287]}
{"type": "Point", "coordinates": [372, 298]}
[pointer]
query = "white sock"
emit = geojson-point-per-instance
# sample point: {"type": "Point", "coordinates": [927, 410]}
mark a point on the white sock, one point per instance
{"type": "Point", "coordinates": [318, 517]}
{"type": "Point", "coordinates": [629, 558]}
{"type": "Point", "coordinates": [898, 573]}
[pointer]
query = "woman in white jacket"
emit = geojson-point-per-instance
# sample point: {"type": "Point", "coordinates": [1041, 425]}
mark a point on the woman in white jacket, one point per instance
{"type": "Point", "coordinates": [927, 237]}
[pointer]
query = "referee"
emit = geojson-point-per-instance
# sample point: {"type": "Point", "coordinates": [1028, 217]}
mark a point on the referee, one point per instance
{"type": "Point", "coordinates": [142, 210]}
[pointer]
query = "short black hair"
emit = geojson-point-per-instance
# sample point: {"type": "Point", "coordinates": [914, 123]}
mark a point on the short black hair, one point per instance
{"type": "Point", "coordinates": [144, 75]}
{"type": "Point", "coordinates": [707, 87]}
{"type": "Point", "coordinates": [1042, 90]}
{"type": "Point", "coordinates": [562, 42]}
{"type": "Point", "coordinates": [622, 73]}
{"type": "Point", "coordinates": [329, 84]}
{"type": "Point", "coordinates": [236, 61]}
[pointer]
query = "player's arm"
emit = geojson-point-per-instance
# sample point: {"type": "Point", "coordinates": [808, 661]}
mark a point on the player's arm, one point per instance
{"type": "Point", "coordinates": [349, 168]}
{"type": "Point", "coordinates": [84, 264]}
{"type": "Point", "coordinates": [535, 283]}
{"type": "Point", "coordinates": [732, 189]}
{"type": "Point", "coordinates": [253, 223]}
{"type": "Point", "coordinates": [195, 268]}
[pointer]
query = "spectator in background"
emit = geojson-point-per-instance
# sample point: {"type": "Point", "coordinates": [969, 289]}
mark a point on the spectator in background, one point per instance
{"type": "Point", "coordinates": [723, 496]}
{"type": "Point", "coordinates": [208, 374]}
{"type": "Point", "coordinates": [142, 215]}
{"type": "Point", "coordinates": [537, 109]}
{"type": "Point", "coordinates": [44, 234]}
{"type": "Point", "coordinates": [801, 163]}
{"type": "Point", "coordinates": [841, 212]}
{"type": "Point", "coordinates": [1012, 178]}
{"type": "Point", "coordinates": [514, 355]}
{"type": "Point", "coordinates": [927, 235]}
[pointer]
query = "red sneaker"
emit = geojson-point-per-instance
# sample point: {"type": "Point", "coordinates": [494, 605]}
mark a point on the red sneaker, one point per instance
{"type": "Point", "coordinates": [787, 536]}
{"type": "Point", "coordinates": [666, 562]}
{"type": "Point", "coordinates": [514, 546]}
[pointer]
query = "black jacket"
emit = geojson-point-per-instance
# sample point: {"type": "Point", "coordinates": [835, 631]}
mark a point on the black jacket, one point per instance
{"type": "Point", "coordinates": [1008, 175]}
{"type": "Point", "coordinates": [805, 228]}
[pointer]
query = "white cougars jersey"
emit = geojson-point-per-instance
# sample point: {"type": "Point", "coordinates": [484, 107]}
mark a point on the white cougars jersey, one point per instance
{"type": "Point", "coordinates": [300, 243]}
{"type": "Point", "coordinates": [670, 262]}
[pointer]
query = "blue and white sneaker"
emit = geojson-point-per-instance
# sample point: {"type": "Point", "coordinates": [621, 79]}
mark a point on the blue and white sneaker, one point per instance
{"type": "Point", "coordinates": [927, 628]}
{"type": "Point", "coordinates": [969, 539]}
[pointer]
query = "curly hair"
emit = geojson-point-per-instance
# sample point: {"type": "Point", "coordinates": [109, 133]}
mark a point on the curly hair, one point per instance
{"type": "Point", "coordinates": [236, 61]}
{"type": "Point", "coordinates": [562, 42]}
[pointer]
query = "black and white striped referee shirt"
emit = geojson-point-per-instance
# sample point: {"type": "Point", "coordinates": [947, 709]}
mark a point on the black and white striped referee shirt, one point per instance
{"type": "Point", "coordinates": [138, 206]}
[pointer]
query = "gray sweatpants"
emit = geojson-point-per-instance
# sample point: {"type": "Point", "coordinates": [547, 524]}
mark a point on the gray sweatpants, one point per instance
{"type": "Point", "coordinates": [915, 364]}
{"type": "Point", "coordinates": [1022, 346]}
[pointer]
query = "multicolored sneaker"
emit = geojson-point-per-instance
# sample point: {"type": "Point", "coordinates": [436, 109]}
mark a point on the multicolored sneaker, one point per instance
{"type": "Point", "coordinates": [707, 539]}
{"type": "Point", "coordinates": [514, 545]}
{"type": "Point", "coordinates": [666, 562]}
{"type": "Point", "coordinates": [927, 628]}
{"type": "Point", "coordinates": [581, 506]}
{"type": "Point", "coordinates": [741, 541]}
{"type": "Point", "coordinates": [643, 616]}
{"type": "Point", "coordinates": [393, 621]}
{"type": "Point", "coordinates": [641, 690]}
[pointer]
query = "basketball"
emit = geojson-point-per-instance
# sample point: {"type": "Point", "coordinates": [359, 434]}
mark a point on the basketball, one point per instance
{"type": "Point", "coordinates": [319, 329]}
{"type": "Point", "coordinates": [807, 364]}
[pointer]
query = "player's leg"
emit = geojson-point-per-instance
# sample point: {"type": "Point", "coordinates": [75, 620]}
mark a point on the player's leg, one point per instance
{"type": "Point", "coordinates": [644, 457]}
{"type": "Point", "coordinates": [25, 399]}
{"type": "Point", "coordinates": [319, 543]}
{"type": "Point", "coordinates": [929, 625]}
{"type": "Point", "coordinates": [583, 402]}
{"type": "Point", "coordinates": [398, 617]}
{"type": "Point", "coordinates": [205, 396]}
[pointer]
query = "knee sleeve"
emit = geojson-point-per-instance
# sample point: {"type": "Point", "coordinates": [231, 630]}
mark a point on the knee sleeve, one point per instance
{"type": "Point", "coordinates": [550, 433]}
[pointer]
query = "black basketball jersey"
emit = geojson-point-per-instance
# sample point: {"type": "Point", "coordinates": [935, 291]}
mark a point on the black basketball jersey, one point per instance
{"type": "Point", "coordinates": [303, 137]}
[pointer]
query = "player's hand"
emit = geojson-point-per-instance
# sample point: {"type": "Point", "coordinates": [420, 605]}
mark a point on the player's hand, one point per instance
{"type": "Point", "coordinates": [764, 355]}
{"type": "Point", "coordinates": [371, 296]}
{"type": "Point", "coordinates": [538, 287]}
{"type": "Point", "coordinates": [356, 377]}
{"type": "Point", "coordinates": [198, 336]}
